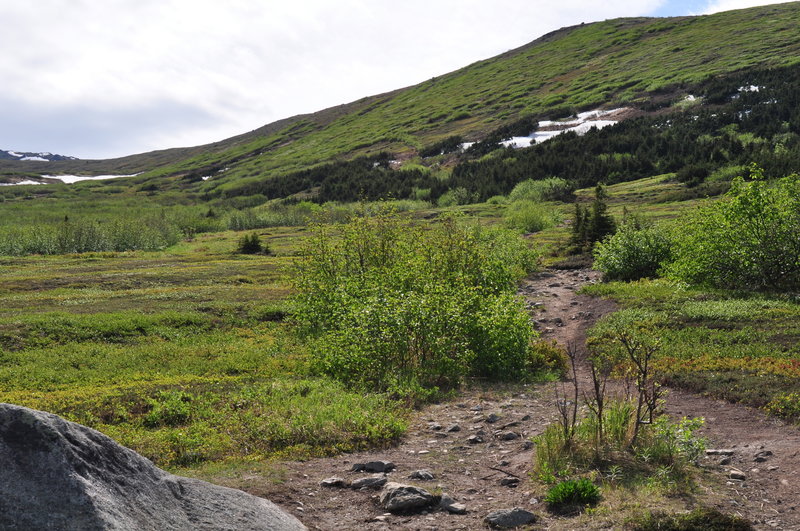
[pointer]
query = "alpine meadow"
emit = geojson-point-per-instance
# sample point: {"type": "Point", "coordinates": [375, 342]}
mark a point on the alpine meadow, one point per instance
{"type": "Point", "coordinates": [555, 289]}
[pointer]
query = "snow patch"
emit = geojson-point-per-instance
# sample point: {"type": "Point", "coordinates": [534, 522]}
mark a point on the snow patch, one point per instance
{"type": "Point", "coordinates": [750, 88]}
{"type": "Point", "coordinates": [35, 158]}
{"type": "Point", "coordinates": [20, 183]}
{"type": "Point", "coordinates": [548, 129]}
{"type": "Point", "coordinates": [69, 179]}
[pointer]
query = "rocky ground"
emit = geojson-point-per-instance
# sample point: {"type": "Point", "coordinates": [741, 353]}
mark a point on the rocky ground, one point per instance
{"type": "Point", "coordinates": [475, 451]}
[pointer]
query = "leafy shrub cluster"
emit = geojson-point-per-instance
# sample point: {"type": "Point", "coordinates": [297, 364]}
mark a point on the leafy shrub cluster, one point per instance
{"type": "Point", "coordinates": [633, 252]}
{"type": "Point", "coordinates": [749, 240]}
{"type": "Point", "coordinates": [530, 216]}
{"type": "Point", "coordinates": [85, 236]}
{"type": "Point", "coordinates": [410, 309]}
{"type": "Point", "coordinates": [552, 189]}
{"type": "Point", "coordinates": [572, 494]}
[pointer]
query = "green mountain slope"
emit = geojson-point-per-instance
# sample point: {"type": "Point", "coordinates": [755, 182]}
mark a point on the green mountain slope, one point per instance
{"type": "Point", "coordinates": [622, 61]}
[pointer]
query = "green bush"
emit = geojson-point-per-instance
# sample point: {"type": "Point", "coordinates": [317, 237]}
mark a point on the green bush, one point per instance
{"type": "Point", "coordinates": [633, 253]}
{"type": "Point", "coordinates": [456, 196]}
{"type": "Point", "coordinates": [552, 189]}
{"type": "Point", "coordinates": [572, 494]}
{"type": "Point", "coordinates": [529, 216]}
{"type": "Point", "coordinates": [399, 307]}
{"type": "Point", "coordinates": [748, 240]}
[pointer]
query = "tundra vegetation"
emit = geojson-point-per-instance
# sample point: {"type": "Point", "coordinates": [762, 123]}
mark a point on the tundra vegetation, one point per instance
{"type": "Point", "coordinates": [295, 292]}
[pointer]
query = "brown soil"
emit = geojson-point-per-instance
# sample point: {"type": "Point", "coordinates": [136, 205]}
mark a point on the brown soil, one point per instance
{"type": "Point", "coordinates": [472, 473]}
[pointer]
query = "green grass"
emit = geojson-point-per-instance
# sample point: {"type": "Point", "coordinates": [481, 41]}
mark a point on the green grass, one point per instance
{"type": "Point", "coordinates": [181, 355]}
{"type": "Point", "coordinates": [738, 346]}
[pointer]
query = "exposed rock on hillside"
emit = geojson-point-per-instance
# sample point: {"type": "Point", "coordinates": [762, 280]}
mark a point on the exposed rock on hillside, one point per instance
{"type": "Point", "coordinates": [61, 475]}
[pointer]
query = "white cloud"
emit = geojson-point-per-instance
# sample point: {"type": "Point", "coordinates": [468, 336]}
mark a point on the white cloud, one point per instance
{"type": "Point", "coordinates": [717, 6]}
{"type": "Point", "coordinates": [213, 69]}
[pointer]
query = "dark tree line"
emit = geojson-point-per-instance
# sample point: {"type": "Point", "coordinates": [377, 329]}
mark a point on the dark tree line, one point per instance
{"type": "Point", "coordinates": [735, 126]}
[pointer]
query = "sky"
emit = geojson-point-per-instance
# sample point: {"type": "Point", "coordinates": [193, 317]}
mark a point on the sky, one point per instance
{"type": "Point", "coordinates": [108, 78]}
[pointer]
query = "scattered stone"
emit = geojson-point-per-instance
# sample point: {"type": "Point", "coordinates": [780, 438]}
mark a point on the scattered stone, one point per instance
{"type": "Point", "coordinates": [508, 436]}
{"type": "Point", "coordinates": [507, 518]}
{"type": "Point", "coordinates": [772, 468]}
{"type": "Point", "coordinates": [375, 481]}
{"type": "Point", "coordinates": [725, 460]}
{"type": "Point", "coordinates": [374, 466]}
{"type": "Point", "coordinates": [333, 482]}
{"type": "Point", "coordinates": [526, 417]}
{"type": "Point", "coordinates": [435, 426]}
{"type": "Point", "coordinates": [450, 505]}
{"type": "Point", "coordinates": [381, 518]}
{"type": "Point", "coordinates": [760, 457]}
{"type": "Point", "coordinates": [491, 419]}
{"type": "Point", "coordinates": [503, 463]}
{"type": "Point", "coordinates": [477, 408]}
{"type": "Point", "coordinates": [719, 451]}
{"type": "Point", "coordinates": [423, 452]}
{"type": "Point", "coordinates": [440, 435]}
{"type": "Point", "coordinates": [60, 475]}
{"type": "Point", "coordinates": [424, 475]}
{"type": "Point", "coordinates": [397, 497]}
{"type": "Point", "coordinates": [527, 445]}
{"type": "Point", "coordinates": [509, 482]}
{"type": "Point", "coordinates": [453, 428]}
{"type": "Point", "coordinates": [737, 474]}
{"type": "Point", "coordinates": [474, 439]}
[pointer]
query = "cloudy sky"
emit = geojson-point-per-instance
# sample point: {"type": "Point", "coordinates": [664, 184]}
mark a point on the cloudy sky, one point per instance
{"type": "Point", "coordinates": [105, 78]}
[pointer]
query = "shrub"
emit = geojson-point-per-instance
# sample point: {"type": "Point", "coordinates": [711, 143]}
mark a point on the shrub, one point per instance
{"type": "Point", "coordinates": [398, 307]}
{"type": "Point", "coordinates": [592, 224]}
{"type": "Point", "coordinates": [528, 216]}
{"type": "Point", "coordinates": [571, 495]}
{"type": "Point", "coordinates": [456, 196]}
{"type": "Point", "coordinates": [250, 244]}
{"type": "Point", "coordinates": [552, 189]}
{"type": "Point", "coordinates": [633, 253]}
{"type": "Point", "coordinates": [748, 240]}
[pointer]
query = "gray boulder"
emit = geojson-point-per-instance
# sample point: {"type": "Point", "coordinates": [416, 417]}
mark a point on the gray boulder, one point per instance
{"type": "Point", "coordinates": [61, 475]}
{"type": "Point", "coordinates": [399, 498]}
{"type": "Point", "coordinates": [509, 518]}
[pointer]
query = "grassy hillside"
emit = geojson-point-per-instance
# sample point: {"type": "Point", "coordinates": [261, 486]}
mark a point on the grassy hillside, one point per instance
{"type": "Point", "coordinates": [622, 61]}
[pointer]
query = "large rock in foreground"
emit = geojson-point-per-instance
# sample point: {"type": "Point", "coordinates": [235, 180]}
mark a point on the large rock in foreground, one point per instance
{"type": "Point", "coordinates": [61, 475]}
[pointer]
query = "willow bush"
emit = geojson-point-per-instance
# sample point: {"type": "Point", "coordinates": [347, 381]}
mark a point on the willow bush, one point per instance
{"type": "Point", "coordinates": [394, 305]}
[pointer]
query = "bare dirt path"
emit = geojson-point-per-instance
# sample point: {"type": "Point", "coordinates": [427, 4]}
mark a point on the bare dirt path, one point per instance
{"type": "Point", "coordinates": [478, 447]}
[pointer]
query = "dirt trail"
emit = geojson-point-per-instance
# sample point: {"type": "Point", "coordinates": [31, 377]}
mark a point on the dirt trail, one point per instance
{"type": "Point", "coordinates": [491, 445]}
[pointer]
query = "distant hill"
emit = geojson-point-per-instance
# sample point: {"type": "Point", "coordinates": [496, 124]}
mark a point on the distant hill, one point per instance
{"type": "Point", "coordinates": [28, 157]}
{"type": "Point", "coordinates": [649, 66]}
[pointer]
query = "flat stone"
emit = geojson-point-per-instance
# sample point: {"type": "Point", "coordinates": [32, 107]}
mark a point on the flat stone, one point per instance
{"type": "Point", "coordinates": [424, 475]}
{"type": "Point", "coordinates": [399, 498]}
{"type": "Point", "coordinates": [491, 419]}
{"type": "Point", "coordinates": [333, 482]}
{"type": "Point", "coordinates": [719, 451]}
{"type": "Point", "coordinates": [450, 505]}
{"type": "Point", "coordinates": [508, 518]}
{"type": "Point", "coordinates": [737, 474]}
{"type": "Point", "coordinates": [453, 428]}
{"type": "Point", "coordinates": [474, 439]}
{"type": "Point", "coordinates": [509, 482]}
{"type": "Point", "coordinates": [375, 481]}
{"type": "Point", "coordinates": [508, 436]}
{"type": "Point", "coordinates": [373, 466]}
